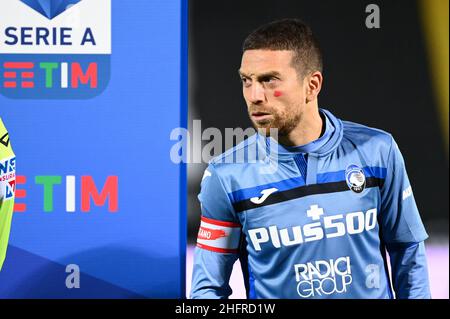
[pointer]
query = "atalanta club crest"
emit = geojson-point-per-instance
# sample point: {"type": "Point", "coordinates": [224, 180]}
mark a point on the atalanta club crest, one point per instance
{"type": "Point", "coordinates": [355, 178]}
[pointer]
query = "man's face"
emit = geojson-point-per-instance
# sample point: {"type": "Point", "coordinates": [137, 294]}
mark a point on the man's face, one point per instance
{"type": "Point", "coordinates": [273, 90]}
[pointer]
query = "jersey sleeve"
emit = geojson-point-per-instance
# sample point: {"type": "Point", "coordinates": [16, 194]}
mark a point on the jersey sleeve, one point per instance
{"type": "Point", "coordinates": [410, 271]}
{"type": "Point", "coordinates": [399, 216]}
{"type": "Point", "coordinates": [402, 231]}
{"type": "Point", "coordinates": [217, 241]}
{"type": "Point", "coordinates": [7, 189]}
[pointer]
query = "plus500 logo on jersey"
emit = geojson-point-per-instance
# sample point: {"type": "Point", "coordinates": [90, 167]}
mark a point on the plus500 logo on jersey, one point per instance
{"type": "Point", "coordinates": [323, 277]}
{"type": "Point", "coordinates": [54, 49]}
{"type": "Point", "coordinates": [321, 227]}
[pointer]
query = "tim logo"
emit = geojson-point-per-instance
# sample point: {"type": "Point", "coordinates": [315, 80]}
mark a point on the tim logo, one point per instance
{"type": "Point", "coordinates": [54, 49]}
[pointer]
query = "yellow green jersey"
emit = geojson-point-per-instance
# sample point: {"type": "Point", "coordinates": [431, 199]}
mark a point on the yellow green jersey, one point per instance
{"type": "Point", "coordinates": [7, 189]}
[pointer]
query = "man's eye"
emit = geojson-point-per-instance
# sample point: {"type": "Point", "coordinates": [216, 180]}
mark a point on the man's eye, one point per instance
{"type": "Point", "coordinates": [245, 81]}
{"type": "Point", "coordinates": [269, 79]}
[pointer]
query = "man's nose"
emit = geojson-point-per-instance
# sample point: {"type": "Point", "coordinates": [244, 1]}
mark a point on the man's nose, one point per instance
{"type": "Point", "coordinates": [257, 95]}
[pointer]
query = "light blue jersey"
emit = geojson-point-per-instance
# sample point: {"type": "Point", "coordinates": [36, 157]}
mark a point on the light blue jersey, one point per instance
{"type": "Point", "coordinates": [312, 221]}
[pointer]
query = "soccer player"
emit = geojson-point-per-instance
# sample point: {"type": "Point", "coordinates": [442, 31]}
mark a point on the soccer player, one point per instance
{"type": "Point", "coordinates": [336, 197]}
{"type": "Point", "coordinates": [7, 189]}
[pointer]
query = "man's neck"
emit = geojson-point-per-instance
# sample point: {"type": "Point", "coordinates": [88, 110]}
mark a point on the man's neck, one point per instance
{"type": "Point", "coordinates": [309, 128]}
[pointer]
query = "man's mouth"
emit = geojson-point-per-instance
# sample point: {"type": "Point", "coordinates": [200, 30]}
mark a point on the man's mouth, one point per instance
{"type": "Point", "coordinates": [260, 116]}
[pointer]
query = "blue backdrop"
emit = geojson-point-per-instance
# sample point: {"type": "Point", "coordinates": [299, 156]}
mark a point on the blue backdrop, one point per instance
{"type": "Point", "coordinates": [117, 141]}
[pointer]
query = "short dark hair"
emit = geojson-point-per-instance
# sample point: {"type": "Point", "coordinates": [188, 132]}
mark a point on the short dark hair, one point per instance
{"type": "Point", "coordinates": [288, 34]}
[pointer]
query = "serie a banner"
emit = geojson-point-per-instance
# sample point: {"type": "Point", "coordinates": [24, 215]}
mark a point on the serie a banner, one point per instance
{"type": "Point", "coordinates": [90, 91]}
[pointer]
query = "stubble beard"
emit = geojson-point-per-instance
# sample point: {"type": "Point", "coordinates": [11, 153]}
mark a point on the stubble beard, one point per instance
{"type": "Point", "coordinates": [285, 122]}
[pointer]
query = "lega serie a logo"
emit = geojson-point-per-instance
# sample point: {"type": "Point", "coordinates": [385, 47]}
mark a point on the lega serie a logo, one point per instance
{"type": "Point", "coordinates": [54, 49]}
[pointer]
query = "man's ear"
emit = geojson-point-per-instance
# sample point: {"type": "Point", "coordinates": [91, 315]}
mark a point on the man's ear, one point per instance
{"type": "Point", "coordinates": [313, 85]}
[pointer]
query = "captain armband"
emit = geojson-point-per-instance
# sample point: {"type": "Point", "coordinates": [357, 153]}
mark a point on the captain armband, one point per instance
{"type": "Point", "coordinates": [219, 236]}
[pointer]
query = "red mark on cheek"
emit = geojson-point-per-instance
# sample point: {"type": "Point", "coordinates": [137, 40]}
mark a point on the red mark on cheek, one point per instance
{"type": "Point", "coordinates": [277, 93]}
